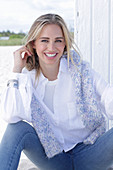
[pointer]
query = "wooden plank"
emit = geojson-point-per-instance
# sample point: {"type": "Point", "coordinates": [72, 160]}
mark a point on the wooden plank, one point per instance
{"type": "Point", "coordinates": [111, 47]}
{"type": "Point", "coordinates": [100, 37]}
{"type": "Point", "coordinates": [111, 41]}
{"type": "Point", "coordinates": [83, 27]}
{"type": "Point", "coordinates": [92, 33]}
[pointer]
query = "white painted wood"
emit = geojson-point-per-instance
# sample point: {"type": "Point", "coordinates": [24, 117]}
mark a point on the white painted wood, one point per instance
{"type": "Point", "coordinates": [94, 35]}
{"type": "Point", "coordinates": [111, 46]}
{"type": "Point", "coordinates": [82, 27]}
{"type": "Point", "coordinates": [100, 37]}
{"type": "Point", "coordinates": [111, 40]}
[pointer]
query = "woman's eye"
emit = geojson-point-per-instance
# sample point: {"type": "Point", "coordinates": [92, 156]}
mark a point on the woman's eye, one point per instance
{"type": "Point", "coordinates": [44, 40]}
{"type": "Point", "coordinates": [58, 41]}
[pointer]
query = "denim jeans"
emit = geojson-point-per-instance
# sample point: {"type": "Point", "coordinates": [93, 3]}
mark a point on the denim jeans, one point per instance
{"type": "Point", "coordinates": [22, 137]}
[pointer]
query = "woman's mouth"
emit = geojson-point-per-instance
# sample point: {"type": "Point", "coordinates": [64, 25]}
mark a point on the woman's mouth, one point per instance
{"type": "Point", "coordinates": [51, 55]}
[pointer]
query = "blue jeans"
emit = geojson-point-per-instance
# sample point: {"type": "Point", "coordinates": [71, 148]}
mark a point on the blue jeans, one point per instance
{"type": "Point", "coordinates": [22, 137]}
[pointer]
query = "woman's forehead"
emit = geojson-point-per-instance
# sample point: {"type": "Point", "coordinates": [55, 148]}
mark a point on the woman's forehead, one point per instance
{"type": "Point", "coordinates": [51, 29]}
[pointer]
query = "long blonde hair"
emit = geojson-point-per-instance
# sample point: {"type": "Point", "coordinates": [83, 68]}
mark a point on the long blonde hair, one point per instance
{"type": "Point", "coordinates": [39, 23]}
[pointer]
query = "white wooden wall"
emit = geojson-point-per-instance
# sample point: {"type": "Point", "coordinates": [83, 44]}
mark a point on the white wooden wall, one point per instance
{"type": "Point", "coordinates": [94, 34]}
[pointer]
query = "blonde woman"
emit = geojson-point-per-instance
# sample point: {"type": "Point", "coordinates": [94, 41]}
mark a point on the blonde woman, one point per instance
{"type": "Point", "coordinates": [55, 104]}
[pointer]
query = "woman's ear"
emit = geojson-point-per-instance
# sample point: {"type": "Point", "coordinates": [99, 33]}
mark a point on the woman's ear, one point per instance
{"type": "Point", "coordinates": [33, 44]}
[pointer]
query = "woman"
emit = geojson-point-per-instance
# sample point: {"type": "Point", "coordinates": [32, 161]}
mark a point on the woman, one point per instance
{"type": "Point", "coordinates": [63, 102]}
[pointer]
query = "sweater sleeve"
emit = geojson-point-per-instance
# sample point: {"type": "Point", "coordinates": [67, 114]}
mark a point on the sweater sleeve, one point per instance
{"type": "Point", "coordinates": [15, 103]}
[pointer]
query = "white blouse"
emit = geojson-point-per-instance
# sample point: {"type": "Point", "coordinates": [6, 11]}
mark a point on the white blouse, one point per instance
{"type": "Point", "coordinates": [61, 108]}
{"type": "Point", "coordinates": [49, 94]}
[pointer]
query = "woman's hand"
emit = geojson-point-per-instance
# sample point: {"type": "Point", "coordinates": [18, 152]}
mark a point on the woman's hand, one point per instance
{"type": "Point", "coordinates": [20, 58]}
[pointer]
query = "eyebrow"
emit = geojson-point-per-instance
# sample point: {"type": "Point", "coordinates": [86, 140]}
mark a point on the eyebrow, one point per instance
{"type": "Point", "coordinates": [48, 38]}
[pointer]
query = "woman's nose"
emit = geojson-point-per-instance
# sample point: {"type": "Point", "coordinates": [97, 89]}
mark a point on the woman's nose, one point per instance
{"type": "Point", "coordinates": [51, 46]}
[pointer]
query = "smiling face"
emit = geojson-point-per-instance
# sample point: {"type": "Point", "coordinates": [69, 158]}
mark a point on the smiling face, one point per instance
{"type": "Point", "coordinates": [50, 45]}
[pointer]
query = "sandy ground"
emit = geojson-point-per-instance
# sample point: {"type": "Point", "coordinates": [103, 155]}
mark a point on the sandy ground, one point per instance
{"type": "Point", "coordinates": [26, 164]}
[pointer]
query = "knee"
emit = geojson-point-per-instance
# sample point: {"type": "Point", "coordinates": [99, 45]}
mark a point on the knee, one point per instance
{"type": "Point", "coordinates": [14, 130]}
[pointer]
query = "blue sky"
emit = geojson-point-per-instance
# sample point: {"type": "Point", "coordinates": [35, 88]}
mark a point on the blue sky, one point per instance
{"type": "Point", "coordinates": [18, 15]}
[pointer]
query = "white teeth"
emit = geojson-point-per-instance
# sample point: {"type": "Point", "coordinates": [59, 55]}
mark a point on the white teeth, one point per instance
{"type": "Point", "coordinates": [51, 55]}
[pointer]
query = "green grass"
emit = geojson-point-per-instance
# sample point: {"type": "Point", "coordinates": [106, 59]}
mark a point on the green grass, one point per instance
{"type": "Point", "coordinates": [17, 40]}
{"type": "Point", "coordinates": [12, 42]}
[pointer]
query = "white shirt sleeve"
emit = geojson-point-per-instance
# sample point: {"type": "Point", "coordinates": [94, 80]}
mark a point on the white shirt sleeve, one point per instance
{"type": "Point", "coordinates": [15, 103]}
{"type": "Point", "coordinates": [105, 92]}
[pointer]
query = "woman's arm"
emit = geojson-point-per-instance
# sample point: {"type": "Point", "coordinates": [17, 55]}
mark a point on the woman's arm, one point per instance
{"type": "Point", "coordinates": [16, 97]}
{"type": "Point", "coordinates": [105, 93]}
{"type": "Point", "coordinates": [15, 102]}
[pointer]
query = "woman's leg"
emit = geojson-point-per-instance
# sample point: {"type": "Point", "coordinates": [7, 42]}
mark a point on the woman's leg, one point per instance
{"type": "Point", "coordinates": [22, 137]}
{"type": "Point", "coordinates": [98, 156]}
